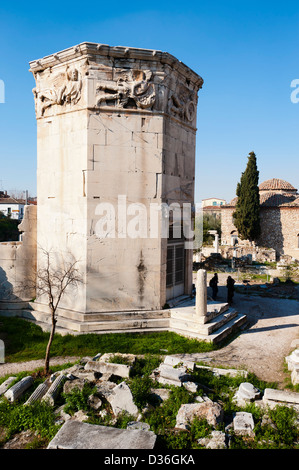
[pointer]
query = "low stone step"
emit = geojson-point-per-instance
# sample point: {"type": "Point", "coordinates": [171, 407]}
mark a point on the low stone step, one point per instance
{"type": "Point", "coordinates": [214, 309]}
{"type": "Point", "coordinates": [218, 335]}
{"type": "Point", "coordinates": [190, 321]}
{"type": "Point", "coordinates": [188, 324]}
{"type": "Point", "coordinates": [228, 328]}
{"type": "Point", "coordinates": [111, 325]}
{"type": "Point", "coordinates": [89, 327]}
{"type": "Point", "coordinates": [112, 322]}
{"type": "Point", "coordinates": [101, 316]}
{"type": "Point", "coordinates": [217, 322]}
{"type": "Point", "coordinates": [189, 312]}
{"type": "Point", "coordinates": [36, 316]}
{"type": "Point", "coordinates": [13, 305]}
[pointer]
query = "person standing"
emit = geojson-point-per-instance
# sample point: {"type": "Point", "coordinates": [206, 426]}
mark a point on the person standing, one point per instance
{"type": "Point", "coordinates": [230, 284]}
{"type": "Point", "coordinates": [214, 286]}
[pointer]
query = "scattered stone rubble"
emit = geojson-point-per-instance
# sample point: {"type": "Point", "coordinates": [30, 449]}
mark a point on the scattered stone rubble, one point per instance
{"type": "Point", "coordinates": [76, 433]}
{"type": "Point", "coordinates": [217, 440]}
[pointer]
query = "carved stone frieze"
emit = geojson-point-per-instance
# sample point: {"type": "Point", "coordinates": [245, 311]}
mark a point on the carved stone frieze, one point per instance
{"type": "Point", "coordinates": [56, 89]}
{"type": "Point", "coordinates": [182, 104]}
{"type": "Point", "coordinates": [130, 89]}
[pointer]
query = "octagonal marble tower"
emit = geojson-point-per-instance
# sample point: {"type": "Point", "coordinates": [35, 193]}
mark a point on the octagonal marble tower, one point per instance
{"type": "Point", "coordinates": [116, 131]}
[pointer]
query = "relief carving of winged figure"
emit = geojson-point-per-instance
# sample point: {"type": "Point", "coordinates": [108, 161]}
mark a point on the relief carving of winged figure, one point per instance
{"type": "Point", "coordinates": [132, 89]}
{"type": "Point", "coordinates": [64, 88]}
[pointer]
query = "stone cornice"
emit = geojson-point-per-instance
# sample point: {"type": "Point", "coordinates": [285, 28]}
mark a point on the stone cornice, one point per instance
{"type": "Point", "coordinates": [93, 50]}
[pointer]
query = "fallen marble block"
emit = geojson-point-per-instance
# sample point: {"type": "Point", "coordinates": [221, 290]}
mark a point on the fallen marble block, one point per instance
{"type": "Point", "coordinates": [190, 386]}
{"type": "Point", "coordinates": [230, 372]}
{"type": "Point", "coordinates": [105, 389]}
{"type": "Point", "coordinates": [130, 358]}
{"type": "Point", "coordinates": [295, 375]}
{"type": "Point", "coordinates": [293, 360]}
{"type": "Point", "coordinates": [121, 370]}
{"type": "Point", "coordinates": [160, 394]}
{"type": "Point", "coordinates": [71, 385]}
{"type": "Point", "coordinates": [77, 435]}
{"type": "Point", "coordinates": [280, 397]}
{"type": "Point", "coordinates": [172, 376]}
{"type": "Point", "coordinates": [293, 365]}
{"type": "Point", "coordinates": [243, 423]}
{"type": "Point", "coordinates": [210, 411]}
{"type": "Point", "coordinates": [121, 399]}
{"type": "Point", "coordinates": [174, 361]}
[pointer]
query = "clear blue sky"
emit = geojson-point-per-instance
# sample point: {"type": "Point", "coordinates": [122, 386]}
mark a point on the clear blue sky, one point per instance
{"type": "Point", "coordinates": [246, 52]}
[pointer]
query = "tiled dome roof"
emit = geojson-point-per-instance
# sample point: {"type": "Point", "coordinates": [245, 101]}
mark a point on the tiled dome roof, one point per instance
{"type": "Point", "coordinates": [276, 184]}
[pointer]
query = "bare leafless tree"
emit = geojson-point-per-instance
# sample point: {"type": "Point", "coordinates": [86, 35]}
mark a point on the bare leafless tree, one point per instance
{"type": "Point", "coordinates": [52, 281]}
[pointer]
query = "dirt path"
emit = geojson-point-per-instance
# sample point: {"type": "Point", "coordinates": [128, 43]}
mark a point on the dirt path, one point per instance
{"type": "Point", "coordinates": [14, 367]}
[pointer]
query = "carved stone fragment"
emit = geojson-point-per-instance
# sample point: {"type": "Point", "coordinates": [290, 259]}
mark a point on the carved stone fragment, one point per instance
{"type": "Point", "coordinates": [61, 89]}
{"type": "Point", "coordinates": [132, 89]}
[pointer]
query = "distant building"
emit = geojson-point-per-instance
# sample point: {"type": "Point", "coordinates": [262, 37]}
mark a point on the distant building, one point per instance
{"type": "Point", "coordinates": [212, 206]}
{"type": "Point", "coordinates": [11, 207]}
{"type": "Point", "coordinates": [213, 201]}
{"type": "Point", "coordinates": [279, 218]}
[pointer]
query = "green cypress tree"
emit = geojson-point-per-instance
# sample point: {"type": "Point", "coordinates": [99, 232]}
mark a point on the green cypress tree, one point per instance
{"type": "Point", "coordinates": [247, 213]}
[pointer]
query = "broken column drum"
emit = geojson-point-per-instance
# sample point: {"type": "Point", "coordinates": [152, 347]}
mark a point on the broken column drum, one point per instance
{"type": "Point", "coordinates": [54, 389]}
{"type": "Point", "coordinates": [17, 390]}
{"type": "Point", "coordinates": [38, 393]}
{"type": "Point", "coordinates": [116, 132]}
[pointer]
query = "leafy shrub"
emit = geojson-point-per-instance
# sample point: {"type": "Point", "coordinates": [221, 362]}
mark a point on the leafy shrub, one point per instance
{"type": "Point", "coordinates": [38, 417]}
{"type": "Point", "coordinates": [119, 359]}
{"type": "Point", "coordinates": [164, 416]}
{"type": "Point", "coordinates": [146, 364]}
{"type": "Point", "coordinates": [186, 439]}
{"type": "Point", "coordinates": [78, 399]}
{"type": "Point", "coordinates": [141, 388]}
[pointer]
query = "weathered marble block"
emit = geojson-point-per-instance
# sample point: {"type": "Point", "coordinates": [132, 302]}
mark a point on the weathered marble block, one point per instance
{"type": "Point", "coordinates": [172, 376]}
{"type": "Point", "coordinates": [210, 411]}
{"type": "Point", "coordinates": [121, 399]}
{"type": "Point", "coordinates": [243, 423]}
{"type": "Point", "coordinates": [174, 361]}
{"type": "Point", "coordinates": [122, 370]}
{"type": "Point", "coordinates": [293, 360]}
{"type": "Point", "coordinates": [77, 435]}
